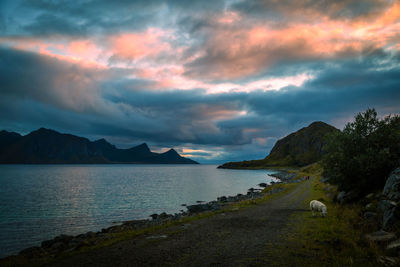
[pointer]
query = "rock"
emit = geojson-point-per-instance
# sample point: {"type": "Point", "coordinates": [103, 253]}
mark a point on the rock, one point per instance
{"type": "Point", "coordinates": [222, 199]}
{"type": "Point", "coordinates": [154, 216]}
{"type": "Point", "coordinates": [392, 186]}
{"type": "Point", "coordinates": [386, 204]}
{"type": "Point", "coordinates": [63, 239]}
{"type": "Point", "coordinates": [394, 245]}
{"type": "Point", "coordinates": [381, 237]}
{"type": "Point", "coordinates": [284, 176]}
{"type": "Point", "coordinates": [387, 261]}
{"type": "Point", "coordinates": [202, 207]}
{"type": "Point", "coordinates": [59, 246]}
{"type": "Point", "coordinates": [262, 185]}
{"type": "Point", "coordinates": [90, 235]}
{"type": "Point", "coordinates": [391, 196]}
{"type": "Point", "coordinates": [391, 217]}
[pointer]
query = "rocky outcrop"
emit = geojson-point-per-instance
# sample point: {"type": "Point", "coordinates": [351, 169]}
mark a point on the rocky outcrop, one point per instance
{"type": "Point", "coordinates": [390, 201]}
{"type": "Point", "coordinates": [381, 237]}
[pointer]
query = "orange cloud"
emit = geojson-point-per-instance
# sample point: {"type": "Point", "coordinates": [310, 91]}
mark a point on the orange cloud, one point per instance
{"type": "Point", "coordinates": [134, 46]}
{"type": "Point", "coordinates": [82, 52]}
{"type": "Point", "coordinates": [243, 49]}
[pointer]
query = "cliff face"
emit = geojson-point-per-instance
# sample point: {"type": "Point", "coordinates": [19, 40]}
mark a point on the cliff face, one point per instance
{"type": "Point", "coordinates": [48, 146]}
{"type": "Point", "coordinates": [300, 148]}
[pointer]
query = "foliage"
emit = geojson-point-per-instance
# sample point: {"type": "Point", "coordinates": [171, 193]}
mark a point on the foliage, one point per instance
{"type": "Point", "coordinates": [361, 157]}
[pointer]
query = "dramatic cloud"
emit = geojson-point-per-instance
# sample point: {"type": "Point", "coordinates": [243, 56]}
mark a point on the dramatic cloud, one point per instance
{"type": "Point", "coordinates": [217, 80]}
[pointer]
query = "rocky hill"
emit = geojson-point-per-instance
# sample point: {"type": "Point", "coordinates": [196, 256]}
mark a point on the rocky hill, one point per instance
{"type": "Point", "coordinates": [45, 146]}
{"type": "Point", "coordinates": [300, 148]}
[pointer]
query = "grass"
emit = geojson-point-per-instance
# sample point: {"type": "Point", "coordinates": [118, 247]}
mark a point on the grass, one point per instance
{"type": "Point", "coordinates": [336, 240]}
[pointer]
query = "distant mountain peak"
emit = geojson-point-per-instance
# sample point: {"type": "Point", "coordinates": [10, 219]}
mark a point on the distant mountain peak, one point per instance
{"type": "Point", "coordinates": [101, 141]}
{"type": "Point", "coordinates": [172, 151]}
{"type": "Point", "coordinates": [49, 146]}
{"type": "Point", "coordinates": [43, 131]}
{"type": "Point", "coordinates": [143, 145]}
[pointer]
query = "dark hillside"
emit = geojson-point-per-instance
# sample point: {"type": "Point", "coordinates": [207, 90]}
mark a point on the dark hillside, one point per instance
{"type": "Point", "coordinates": [300, 148]}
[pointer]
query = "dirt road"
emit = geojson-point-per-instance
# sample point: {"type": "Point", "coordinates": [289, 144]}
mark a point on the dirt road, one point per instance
{"type": "Point", "coordinates": [226, 239]}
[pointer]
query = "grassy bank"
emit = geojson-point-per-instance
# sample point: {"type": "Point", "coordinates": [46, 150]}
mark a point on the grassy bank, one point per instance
{"type": "Point", "coordinates": [336, 240]}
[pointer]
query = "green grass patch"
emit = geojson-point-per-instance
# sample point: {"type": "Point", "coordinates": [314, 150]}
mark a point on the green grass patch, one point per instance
{"type": "Point", "coordinates": [336, 240]}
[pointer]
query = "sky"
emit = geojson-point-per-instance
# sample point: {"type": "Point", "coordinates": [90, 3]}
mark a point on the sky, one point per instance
{"type": "Point", "coordinates": [216, 80]}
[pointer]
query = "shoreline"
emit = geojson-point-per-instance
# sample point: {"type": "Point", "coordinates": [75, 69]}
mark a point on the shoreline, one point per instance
{"type": "Point", "coordinates": [69, 243]}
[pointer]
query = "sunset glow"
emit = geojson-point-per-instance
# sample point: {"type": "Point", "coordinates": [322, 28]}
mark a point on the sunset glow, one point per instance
{"type": "Point", "coordinates": [172, 74]}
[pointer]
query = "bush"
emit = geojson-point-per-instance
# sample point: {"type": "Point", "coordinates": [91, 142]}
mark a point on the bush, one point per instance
{"type": "Point", "coordinates": [361, 157]}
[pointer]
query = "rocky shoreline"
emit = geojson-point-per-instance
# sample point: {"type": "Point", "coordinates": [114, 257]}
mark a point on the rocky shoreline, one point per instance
{"type": "Point", "coordinates": [69, 243]}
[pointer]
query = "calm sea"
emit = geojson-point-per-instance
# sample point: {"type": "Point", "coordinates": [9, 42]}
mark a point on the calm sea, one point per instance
{"type": "Point", "coordinates": [39, 202]}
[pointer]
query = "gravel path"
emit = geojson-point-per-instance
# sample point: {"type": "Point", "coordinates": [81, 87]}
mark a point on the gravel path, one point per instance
{"type": "Point", "coordinates": [227, 239]}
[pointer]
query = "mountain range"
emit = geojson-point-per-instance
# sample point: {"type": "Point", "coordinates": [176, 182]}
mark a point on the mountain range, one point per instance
{"type": "Point", "coordinates": [300, 148]}
{"type": "Point", "coordinates": [45, 146]}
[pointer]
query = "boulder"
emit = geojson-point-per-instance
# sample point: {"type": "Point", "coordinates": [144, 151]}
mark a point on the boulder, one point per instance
{"type": "Point", "coordinates": [381, 236]}
{"type": "Point", "coordinates": [394, 245]}
{"type": "Point", "coordinates": [386, 204]}
{"type": "Point", "coordinates": [262, 185]}
{"type": "Point", "coordinates": [392, 187]}
{"type": "Point", "coordinates": [222, 199]}
{"type": "Point", "coordinates": [391, 217]}
{"type": "Point", "coordinates": [390, 199]}
{"type": "Point", "coordinates": [202, 207]}
{"type": "Point", "coordinates": [387, 261]}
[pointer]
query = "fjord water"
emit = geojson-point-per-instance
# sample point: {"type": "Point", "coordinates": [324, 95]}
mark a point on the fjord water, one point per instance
{"type": "Point", "coordinates": [39, 202]}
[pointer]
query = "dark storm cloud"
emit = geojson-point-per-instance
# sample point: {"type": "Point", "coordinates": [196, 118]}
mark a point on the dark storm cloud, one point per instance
{"type": "Point", "coordinates": [48, 80]}
{"type": "Point", "coordinates": [176, 117]}
{"type": "Point", "coordinates": [147, 71]}
{"type": "Point", "coordinates": [78, 18]}
{"type": "Point", "coordinates": [341, 9]}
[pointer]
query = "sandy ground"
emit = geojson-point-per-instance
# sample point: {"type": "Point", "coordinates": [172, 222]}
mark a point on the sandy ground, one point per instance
{"type": "Point", "coordinates": [237, 238]}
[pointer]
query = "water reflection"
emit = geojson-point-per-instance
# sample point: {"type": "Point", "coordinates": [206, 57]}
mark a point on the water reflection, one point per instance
{"type": "Point", "coordinates": [41, 201]}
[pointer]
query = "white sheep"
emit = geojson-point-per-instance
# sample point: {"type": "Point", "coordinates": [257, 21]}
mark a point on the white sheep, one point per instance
{"type": "Point", "coordinates": [317, 206]}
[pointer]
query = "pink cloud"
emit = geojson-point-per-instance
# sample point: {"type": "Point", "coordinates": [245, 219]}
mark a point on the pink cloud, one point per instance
{"type": "Point", "coordinates": [134, 46]}
{"type": "Point", "coordinates": [241, 48]}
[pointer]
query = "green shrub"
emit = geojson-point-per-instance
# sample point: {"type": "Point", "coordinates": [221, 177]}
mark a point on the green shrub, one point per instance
{"type": "Point", "coordinates": [361, 157]}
